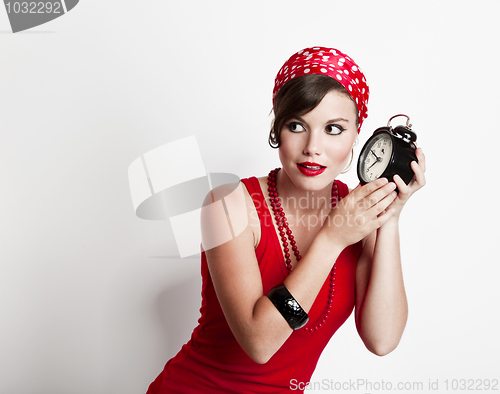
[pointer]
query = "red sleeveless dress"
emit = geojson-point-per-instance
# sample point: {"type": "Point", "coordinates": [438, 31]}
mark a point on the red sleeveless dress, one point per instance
{"type": "Point", "coordinates": [213, 361]}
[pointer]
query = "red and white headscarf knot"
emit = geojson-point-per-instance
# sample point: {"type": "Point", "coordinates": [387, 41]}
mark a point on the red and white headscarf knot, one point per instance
{"type": "Point", "coordinates": [331, 62]}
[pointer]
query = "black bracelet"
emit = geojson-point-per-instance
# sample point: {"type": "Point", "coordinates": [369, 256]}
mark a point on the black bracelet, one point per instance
{"type": "Point", "coordinates": [289, 308]}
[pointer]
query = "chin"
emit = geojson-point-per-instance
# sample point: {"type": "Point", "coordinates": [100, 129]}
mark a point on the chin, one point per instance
{"type": "Point", "coordinates": [312, 183]}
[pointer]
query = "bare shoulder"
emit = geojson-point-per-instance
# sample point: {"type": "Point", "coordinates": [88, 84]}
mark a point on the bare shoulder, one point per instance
{"type": "Point", "coordinates": [219, 193]}
{"type": "Point", "coordinates": [227, 212]}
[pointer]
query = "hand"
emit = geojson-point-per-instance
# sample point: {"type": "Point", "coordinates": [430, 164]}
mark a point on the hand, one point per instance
{"type": "Point", "coordinates": [417, 182]}
{"type": "Point", "coordinates": [362, 211]}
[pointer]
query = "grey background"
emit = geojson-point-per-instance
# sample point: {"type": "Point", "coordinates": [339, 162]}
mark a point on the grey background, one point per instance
{"type": "Point", "coordinates": [94, 300]}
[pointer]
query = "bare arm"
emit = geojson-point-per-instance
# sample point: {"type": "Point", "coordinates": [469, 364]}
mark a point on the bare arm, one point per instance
{"type": "Point", "coordinates": [381, 305]}
{"type": "Point", "coordinates": [256, 324]}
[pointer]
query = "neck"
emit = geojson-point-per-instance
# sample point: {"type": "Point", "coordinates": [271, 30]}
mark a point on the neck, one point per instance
{"type": "Point", "coordinates": [293, 198]}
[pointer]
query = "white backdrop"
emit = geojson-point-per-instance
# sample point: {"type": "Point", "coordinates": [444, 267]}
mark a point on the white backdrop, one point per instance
{"type": "Point", "coordinates": [96, 300]}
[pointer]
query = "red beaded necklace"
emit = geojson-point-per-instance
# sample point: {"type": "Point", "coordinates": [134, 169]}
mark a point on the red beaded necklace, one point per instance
{"type": "Point", "coordinates": [284, 231]}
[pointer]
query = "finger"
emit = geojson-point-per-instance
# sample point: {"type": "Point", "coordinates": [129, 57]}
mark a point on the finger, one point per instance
{"type": "Point", "coordinates": [379, 194]}
{"type": "Point", "coordinates": [359, 186]}
{"type": "Point", "coordinates": [421, 158]}
{"type": "Point", "coordinates": [381, 206]}
{"type": "Point", "coordinates": [404, 189]}
{"type": "Point", "coordinates": [419, 177]}
{"type": "Point", "coordinates": [391, 206]}
{"type": "Point", "coordinates": [383, 217]}
{"type": "Point", "coordinates": [371, 187]}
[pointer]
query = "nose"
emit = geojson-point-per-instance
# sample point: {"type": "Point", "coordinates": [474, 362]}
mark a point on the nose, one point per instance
{"type": "Point", "coordinates": [314, 144]}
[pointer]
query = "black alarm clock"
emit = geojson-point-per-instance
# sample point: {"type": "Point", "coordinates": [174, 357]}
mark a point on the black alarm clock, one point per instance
{"type": "Point", "coordinates": [389, 151]}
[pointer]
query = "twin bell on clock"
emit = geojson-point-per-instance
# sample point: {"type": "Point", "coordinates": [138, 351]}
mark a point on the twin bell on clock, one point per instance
{"type": "Point", "coordinates": [389, 151]}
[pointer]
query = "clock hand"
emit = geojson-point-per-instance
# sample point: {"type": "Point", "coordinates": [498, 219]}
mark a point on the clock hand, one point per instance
{"type": "Point", "coordinates": [375, 162]}
{"type": "Point", "coordinates": [378, 158]}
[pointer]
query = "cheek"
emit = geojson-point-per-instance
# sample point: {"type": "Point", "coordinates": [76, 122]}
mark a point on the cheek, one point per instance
{"type": "Point", "coordinates": [342, 153]}
{"type": "Point", "coordinates": [282, 153]}
{"type": "Point", "coordinates": [288, 145]}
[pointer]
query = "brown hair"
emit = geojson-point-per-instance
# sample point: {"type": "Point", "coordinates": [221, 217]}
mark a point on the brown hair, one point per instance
{"type": "Point", "coordinates": [299, 96]}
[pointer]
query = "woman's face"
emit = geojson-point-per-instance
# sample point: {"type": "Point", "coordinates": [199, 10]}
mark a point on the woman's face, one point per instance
{"type": "Point", "coordinates": [316, 147]}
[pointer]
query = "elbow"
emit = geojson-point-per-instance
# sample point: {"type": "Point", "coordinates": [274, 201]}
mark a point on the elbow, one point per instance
{"type": "Point", "coordinates": [382, 351]}
{"type": "Point", "coordinates": [259, 356]}
{"type": "Point", "coordinates": [381, 344]}
{"type": "Point", "coordinates": [381, 340]}
{"type": "Point", "coordinates": [382, 348]}
{"type": "Point", "coordinates": [261, 337]}
{"type": "Point", "coordinates": [260, 349]}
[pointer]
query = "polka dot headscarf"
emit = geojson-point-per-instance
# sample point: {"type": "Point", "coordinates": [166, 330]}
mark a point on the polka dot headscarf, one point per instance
{"type": "Point", "coordinates": [331, 62]}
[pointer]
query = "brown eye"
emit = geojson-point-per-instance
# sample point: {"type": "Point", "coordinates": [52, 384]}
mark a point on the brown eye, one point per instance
{"type": "Point", "coordinates": [295, 127]}
{"type": "Point", "coordinates": [334, 129]}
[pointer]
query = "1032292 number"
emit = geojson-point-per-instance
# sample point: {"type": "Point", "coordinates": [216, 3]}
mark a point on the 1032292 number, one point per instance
{"type": "Point", "coordinates": [33, 7]}
{"type": "Point", "coordinates": [471, 384]}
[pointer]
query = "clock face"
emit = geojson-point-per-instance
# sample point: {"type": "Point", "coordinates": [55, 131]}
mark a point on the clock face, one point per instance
{"type": "Point", "coordinates": [375, 157]}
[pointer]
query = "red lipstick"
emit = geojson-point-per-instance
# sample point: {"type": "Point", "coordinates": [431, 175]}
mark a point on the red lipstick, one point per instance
{"type": "Point", "coordinates": [310, 169]}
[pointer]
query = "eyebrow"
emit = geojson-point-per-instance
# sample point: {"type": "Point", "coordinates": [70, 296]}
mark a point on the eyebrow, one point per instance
{"type": "Point", "coordinates": [329, 121]}
{"type": "Point", "coordinates": [338, 120]}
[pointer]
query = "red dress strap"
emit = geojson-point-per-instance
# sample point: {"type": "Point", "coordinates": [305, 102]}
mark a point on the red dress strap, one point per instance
{"type": "Point", "coordinates": [253, 186]}
{"type": "Point", "coordinates": [268, 239]}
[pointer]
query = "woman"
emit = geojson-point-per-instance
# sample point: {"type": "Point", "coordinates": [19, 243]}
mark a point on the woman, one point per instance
{"type": "Point", "coordinates": [303, 250]}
